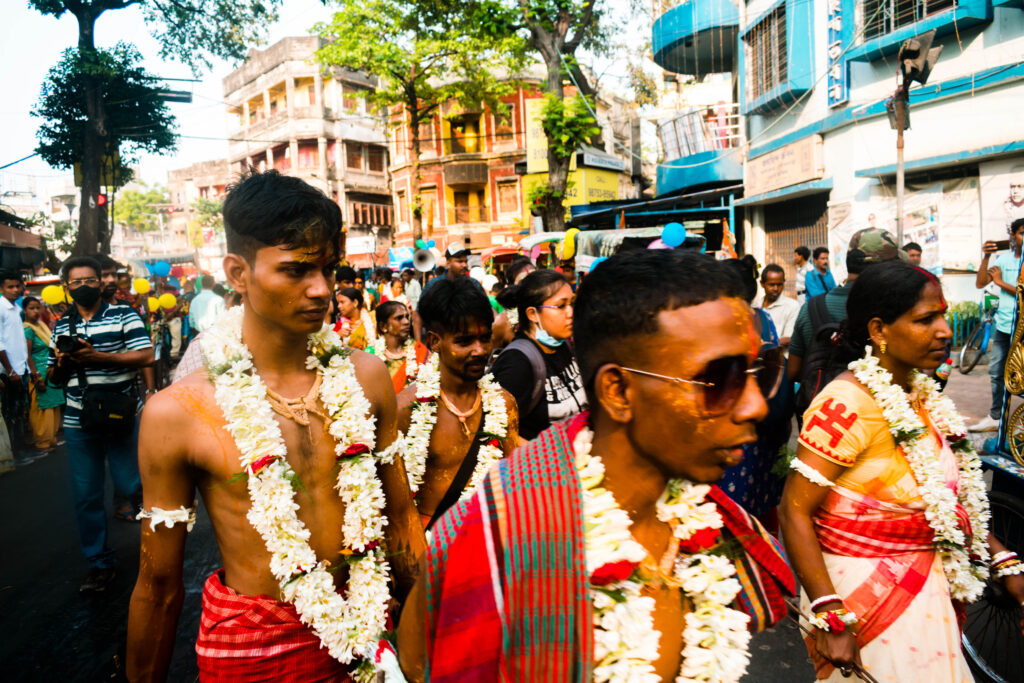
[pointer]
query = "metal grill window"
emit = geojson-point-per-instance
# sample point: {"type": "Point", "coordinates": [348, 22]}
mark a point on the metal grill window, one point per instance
{"type": "Point", "coordinates": [885, 16]}
{"type": "Point", "coordinates": [766, 53]}
{"type": "Point", "coordinates": [788, 225]}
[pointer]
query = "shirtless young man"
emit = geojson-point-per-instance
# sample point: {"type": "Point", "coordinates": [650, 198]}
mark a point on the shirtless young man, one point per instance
{"type": "Point", "coordinates": [457, 421]}
{"type": "Point", "coordinates": [600, 551]}
{"type": "Point", "coordinates": [281, 236]}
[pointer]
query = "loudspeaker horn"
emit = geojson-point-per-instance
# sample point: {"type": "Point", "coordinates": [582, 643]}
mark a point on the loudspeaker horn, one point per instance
{"type": "Point", "coordinates": [423, 260]}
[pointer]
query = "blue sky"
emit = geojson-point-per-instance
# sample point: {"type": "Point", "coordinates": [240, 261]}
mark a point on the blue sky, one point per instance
{"type": "Point", "coordinates": [33, 43]}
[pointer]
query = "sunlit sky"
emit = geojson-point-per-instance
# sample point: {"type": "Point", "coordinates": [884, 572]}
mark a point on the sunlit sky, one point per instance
{"type": "Point", "coordinates": [32, 43]}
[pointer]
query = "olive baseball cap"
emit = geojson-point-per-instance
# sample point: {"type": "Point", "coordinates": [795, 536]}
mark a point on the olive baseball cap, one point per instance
{"type": "Point", "coordinates": [877, 245]}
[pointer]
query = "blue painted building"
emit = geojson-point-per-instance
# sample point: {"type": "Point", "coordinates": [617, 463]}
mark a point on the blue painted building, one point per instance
{"type": "Point", "coordinates": [819, 156]}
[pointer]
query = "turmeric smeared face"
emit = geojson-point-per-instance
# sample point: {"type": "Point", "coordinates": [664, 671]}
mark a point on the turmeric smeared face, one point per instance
{"type": "Point", "coordinates": [690, 430]}
{"type": "Point", "coordinates": [292, 287]}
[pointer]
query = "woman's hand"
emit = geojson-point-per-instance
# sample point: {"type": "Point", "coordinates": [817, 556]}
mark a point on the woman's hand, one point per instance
{"type": "Point", "coordinates": [839, 648]}
{"type": "Point", "coordinates": [38, 381]}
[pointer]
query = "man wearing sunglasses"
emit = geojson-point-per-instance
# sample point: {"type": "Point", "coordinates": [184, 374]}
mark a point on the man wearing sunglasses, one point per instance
{"type": "Point", "coordinates": [675, 386]}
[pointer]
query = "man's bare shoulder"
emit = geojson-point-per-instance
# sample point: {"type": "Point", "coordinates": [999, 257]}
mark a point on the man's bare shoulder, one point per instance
{"type": "Point", "coordinates": [182, 407]}
{"type": "Point", "coordinates": [372, 374]}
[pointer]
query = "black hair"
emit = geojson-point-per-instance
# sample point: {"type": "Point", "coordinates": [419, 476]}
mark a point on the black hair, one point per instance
{"type": "Point", "coordinates": [818, 251]}
{"type": "Point", "coordinates": [345, 274]}
{"type": "Point", "coordinates": [7, 274]}
{"type": "Point", "coordinates": [353, 294]}
{"type": "Point", "coordinates": [78, 262]}
{"type": "Point", "coordinates": [746, 270]}
{"type": "Point", "coordinates": [384, 313]}
{"type": "Point", "coordinates": [269, 209]}
{"type": "Point", "coordinates": [28, 299]}
{"type": "Point", "coordinates": [912, 246]}
{"type": "Point", "coordinates": [447, 305]}
{"type": "Point", "coordinates": [772, 268]}
{"type": "Point", "coordinates": [106, 262]}
{"type": "Point", "coordinates": [207, 281]}
{"type": "Point", "coordinates": [884, 290]}
{"type": "Point", "coordinates": [804, 252]}
{"type": "Point", "coordinates": [856, 262]}
{"type": "Point", "coordinates": [219, 289]}
{"type": "Point", "coordinates": [532, 291]}
{"type": "Point", "coordinates": [515, 267]}
{"type": "Point", "coordinates": [1016, 225]}
{"type": "Point", "coordinates": [621, 298]}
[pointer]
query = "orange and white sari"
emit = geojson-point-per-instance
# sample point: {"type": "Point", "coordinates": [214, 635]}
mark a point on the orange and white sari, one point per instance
{"type": "Point", "coordinates": [877, 543]}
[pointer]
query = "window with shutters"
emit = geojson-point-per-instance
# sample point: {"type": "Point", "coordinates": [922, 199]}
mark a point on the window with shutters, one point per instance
{"type": "Point", "coordinates": [508, 198]}
{"type": "Point", "coordinates": [375, 159]}
{"type": "Point", "coordinates": [766, 54]}
{"type": "Point", "coordinates": [354, 156]}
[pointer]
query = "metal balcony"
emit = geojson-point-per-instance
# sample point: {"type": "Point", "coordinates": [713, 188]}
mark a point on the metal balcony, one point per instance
{"type": "Point", "coordinates": [702, 149]}
{"type": "Point", "coordinates": [696, 37]}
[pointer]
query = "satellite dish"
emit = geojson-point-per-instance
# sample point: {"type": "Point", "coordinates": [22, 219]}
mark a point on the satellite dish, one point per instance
{"type": "Point", "coordinates": [423, 260]}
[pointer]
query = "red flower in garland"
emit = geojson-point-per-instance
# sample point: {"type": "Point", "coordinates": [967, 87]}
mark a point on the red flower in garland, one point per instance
{"type": "Point", "coordinates": [426, 399]}
{"type": "Point", "coordinates": [700, 541]}
{"type": "Point", "coordinates": [354, 450]}
{"type": "Point", "coordinates": [613, 572]}
{"type": "Point", "coordinates": [835, 624]}
{"type": "Point", "coordinates": [260, 463]}
{"type": "Point", "coordinates": [494, 442]}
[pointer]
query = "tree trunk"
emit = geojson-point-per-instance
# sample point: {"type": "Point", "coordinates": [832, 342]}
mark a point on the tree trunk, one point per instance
{"type": "Point", "coordinates": [91, 217]}
{"type": "Point", "coordinates": [558, 168]}
{"type": "Point", "coordinates": [415, 207]}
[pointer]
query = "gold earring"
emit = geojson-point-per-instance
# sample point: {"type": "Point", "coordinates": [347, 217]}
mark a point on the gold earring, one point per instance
{"type": "Point", "coordinates": [882, 347]}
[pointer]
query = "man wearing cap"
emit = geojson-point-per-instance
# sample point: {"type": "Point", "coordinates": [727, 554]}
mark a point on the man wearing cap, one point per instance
{"type": "Point", "coordinates": [456, 258]}
{"type": "Point", "coordinates": [868, 246]}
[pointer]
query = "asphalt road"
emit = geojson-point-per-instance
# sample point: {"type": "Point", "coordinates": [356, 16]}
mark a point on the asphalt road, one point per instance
{"type": "Point", "coordinates": [52, 633]}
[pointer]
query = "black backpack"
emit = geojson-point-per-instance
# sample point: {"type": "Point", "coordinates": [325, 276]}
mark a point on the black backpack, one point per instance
{"type": "Point", "coordinates": [821, 362]}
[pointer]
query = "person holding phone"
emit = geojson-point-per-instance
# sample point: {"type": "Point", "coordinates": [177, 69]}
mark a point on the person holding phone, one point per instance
{"type": "Point", "coordinates": [1002, 272]}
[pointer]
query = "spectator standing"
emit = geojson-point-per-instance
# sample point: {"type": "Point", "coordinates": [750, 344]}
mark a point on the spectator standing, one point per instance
{"type": "Point", "coordinates": [14, 356]}
{"type": "Point", "coordinates": [110, 343]}
{"type": "Point", "coordinates": [1003, 273]}
{"type": "Point", "coordinates": [413, 289]}
{"type": "Point", "coordinates": [781, 308]}
{"type": "Point", "coordinates": [802, 261]}
{"type": "Point", "coordinates": [207, 306]}
{"type": "Point", "coordinates": [819, 280]}
{"type": "Point", "coordinates": [914, 251]}
{"type": "Point", "coordinates": [539, 367]}
{"type": "Point", "coordinates": [44, 400]}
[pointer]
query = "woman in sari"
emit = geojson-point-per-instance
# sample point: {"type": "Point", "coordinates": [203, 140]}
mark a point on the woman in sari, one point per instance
{"type": "Point", "coordinates": [44, 400]}
{"type": "Point", "coordinates": [885, 517]}
{"type": "Point", "coordinates": [350, 322]}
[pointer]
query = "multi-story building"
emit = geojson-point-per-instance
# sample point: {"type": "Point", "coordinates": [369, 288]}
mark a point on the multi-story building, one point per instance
{"type": "Point", "coordinates": [201, 180]}
{"type": "Point", "coordinates": [476, 168]}
{"type": "Point", "coordinates": [288, 115]}
{"type": "Point", "coordinates": [814, 81]}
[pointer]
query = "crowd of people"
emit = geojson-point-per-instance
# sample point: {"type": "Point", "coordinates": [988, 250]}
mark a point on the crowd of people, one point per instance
{"type": "Point", "coordinates": [526, 476]}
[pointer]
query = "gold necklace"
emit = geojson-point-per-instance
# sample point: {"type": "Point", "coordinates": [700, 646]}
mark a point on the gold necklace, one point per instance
{"type": "Point", "coordinates": [297, 409]}
{"type": "Point", "coordinates": [462, 416]}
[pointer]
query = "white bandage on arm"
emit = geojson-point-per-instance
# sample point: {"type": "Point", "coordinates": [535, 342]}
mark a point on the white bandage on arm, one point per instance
{"type": "Point", "coordinates": [809, 473]}
{"type": "Point", "coordinates": [182, 515]}
{"type": "Point", "coordinates": [387, 456]}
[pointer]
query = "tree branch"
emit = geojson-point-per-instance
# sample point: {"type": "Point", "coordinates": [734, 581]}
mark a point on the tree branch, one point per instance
{"type": "Point", "coordinates": [581, 29]}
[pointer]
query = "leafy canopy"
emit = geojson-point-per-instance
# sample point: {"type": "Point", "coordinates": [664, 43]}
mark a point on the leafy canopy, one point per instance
{"type": "Point", "coordinates": [137, 119]}
{"type": "Point", "coordinates": [140, 209]}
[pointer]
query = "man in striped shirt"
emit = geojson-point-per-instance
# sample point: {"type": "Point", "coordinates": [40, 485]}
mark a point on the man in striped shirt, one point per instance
{"type": "Point", "coordinates": [111, 345]}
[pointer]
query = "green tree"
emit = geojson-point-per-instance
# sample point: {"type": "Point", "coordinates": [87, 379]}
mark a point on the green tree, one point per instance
{"type": "Point", "coordinates": [189, 30]}
{"type": "Point", "coordinates": [137, 119]}
{"type": "Point", "coordinates": [208, 213]}
{"type": "Point", "coordinates": [423, 53]}
{"type": "Point", "coordinates": [140, 209]}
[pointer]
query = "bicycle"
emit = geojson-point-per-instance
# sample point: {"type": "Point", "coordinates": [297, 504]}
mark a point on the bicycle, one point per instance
{"type": "Point", "coordinates": [977, 344]}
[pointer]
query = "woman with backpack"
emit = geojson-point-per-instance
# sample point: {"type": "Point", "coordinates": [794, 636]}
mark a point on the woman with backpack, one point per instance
{"type": "Point", "coordinates": [539, 368]}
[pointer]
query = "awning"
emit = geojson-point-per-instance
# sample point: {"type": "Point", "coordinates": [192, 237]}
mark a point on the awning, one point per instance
{"type": "Point", "coordinates": [495, 252]}
{"type": "Point", "coordinates": [786, 193]}
{"type": "Point", "coordinates": [529, 242]}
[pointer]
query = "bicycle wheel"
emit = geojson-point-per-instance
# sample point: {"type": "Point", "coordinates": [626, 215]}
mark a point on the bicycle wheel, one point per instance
{"type": "Point", "coordinates": [971, 353]}
{"type": "Point", "coordinates": [992, 639]}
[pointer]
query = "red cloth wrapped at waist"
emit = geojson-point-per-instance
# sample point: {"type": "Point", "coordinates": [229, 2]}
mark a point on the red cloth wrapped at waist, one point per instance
{"type": "Point", "coordinates": [257, 638]}
{"type": "Point", "coordinates": [876, 534]}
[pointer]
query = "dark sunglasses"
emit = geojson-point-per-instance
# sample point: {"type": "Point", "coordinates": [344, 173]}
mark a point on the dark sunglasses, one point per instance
{"type": "Point", "coordinates": [722, 380]}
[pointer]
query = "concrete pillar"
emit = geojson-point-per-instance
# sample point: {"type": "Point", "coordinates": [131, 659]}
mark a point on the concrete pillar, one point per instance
{"type": "Point", "coordinates": [321, 155]}
{"type": "Point", "coordinates": [245, 114]}
{"type": "Point", "coordinates": [289, 90]}
{"type": "Point", "coordinates": [270, 158]}
{"type": "Point", "coordinates": [293, 152]}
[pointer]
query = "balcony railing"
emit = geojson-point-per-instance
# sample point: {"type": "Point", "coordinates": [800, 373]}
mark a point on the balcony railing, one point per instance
{"type": "Point", "coordinates": [702, 129]}
{"type": "Point", "coordinates": [469, 214]}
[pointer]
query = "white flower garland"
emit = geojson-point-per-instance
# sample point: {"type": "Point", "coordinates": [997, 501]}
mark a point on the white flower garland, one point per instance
{"type": "Point", "coordinates": [424, 417]}
{"type": "Point", "coordinates": [966, 577]}
{"type": "Point", "coordinates": [169, 518]}
{"type": "Point", "coordinates": [349, 627]}
{"type": "Point", "coordinates": [715, 636]}
{"type": "Point", "coordinates": [811, 474]}
{"type": "Point", "coordinates": [379, 348]}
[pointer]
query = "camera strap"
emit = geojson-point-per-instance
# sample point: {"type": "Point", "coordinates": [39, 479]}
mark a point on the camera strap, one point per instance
{"type": "Point", "coordinates": [83, 381]}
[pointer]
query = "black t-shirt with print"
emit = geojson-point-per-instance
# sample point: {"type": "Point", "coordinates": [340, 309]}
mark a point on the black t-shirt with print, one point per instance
{"type": "Point", "coordinates": [563, 387]}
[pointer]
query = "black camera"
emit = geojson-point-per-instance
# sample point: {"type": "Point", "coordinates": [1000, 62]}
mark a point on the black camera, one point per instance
{"type": "Point", "coordinates": [60, 374]}
{"type": "Point", "coordinates": [68, 344]}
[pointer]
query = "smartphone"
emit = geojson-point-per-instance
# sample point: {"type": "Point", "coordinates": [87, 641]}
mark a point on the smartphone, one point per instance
{"type": "Point", "coordinates": [1002, 245]}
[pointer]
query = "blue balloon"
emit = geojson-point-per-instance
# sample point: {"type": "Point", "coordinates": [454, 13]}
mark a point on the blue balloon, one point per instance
{"type": "Point", "coordinates": [431, 244]}
{"type": "Point", "coordinates": [598, 261]}
{"type": "Point", "coordinates": [673, 234]}
{"type": "Point", "coordinates": [161, 269]}
{"type": "Point", "coordinates": [174, 282]}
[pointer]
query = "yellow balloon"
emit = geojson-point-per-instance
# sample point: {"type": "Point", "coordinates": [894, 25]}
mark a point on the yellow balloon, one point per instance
{"type": "Point", "coordinates": [141, 285]}
{"type": "Point", "coordinates": [153, 304]}
{"type": "Point", "coordinates": [569, 244]}
{"type": "Point", "coordinates": [167, 300]}
{"type": "Point", "coordinates": [53, 294]}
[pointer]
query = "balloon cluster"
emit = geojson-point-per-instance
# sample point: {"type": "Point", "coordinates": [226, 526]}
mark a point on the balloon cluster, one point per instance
{"type": "Point", "coordinates": [425, 244]}
{"type": "Point", "coordinates": [161, 269]}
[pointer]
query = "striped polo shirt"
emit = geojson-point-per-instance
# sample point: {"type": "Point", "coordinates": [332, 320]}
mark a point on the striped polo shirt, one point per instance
{"type": "Point", "coordinates": [112, 329]}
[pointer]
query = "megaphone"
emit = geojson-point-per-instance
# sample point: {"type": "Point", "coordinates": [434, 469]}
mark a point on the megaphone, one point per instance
{"type": "Point", "coordinates": [423, 260]}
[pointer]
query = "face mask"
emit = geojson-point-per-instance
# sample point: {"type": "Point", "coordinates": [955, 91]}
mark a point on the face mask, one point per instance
{"type": "Point", "coordinates": [85, 296]}
{"type": "Point", "coordinates": [546, 339]}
